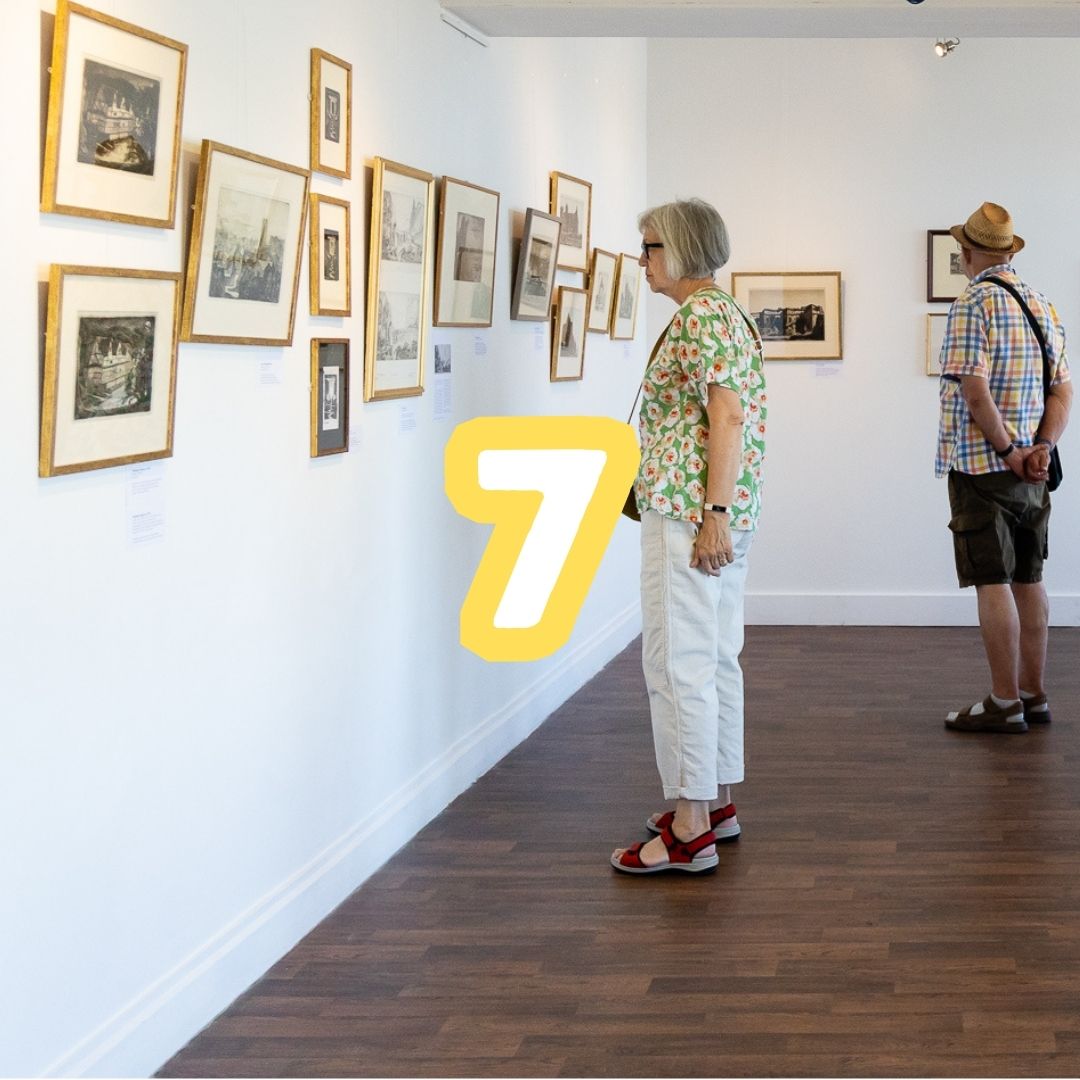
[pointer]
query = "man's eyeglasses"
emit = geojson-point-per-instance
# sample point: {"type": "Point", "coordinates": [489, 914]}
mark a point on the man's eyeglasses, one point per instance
{"type": "Point", "coordinates": [646, 248]}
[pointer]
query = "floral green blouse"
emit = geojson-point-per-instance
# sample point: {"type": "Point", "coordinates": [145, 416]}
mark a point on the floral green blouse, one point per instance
{"type": "Point", "coordinates": [708, 342]}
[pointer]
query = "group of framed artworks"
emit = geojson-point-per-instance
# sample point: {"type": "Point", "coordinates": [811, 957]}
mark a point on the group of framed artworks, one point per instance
{"type": "Point", "coordinates": [945, 281]}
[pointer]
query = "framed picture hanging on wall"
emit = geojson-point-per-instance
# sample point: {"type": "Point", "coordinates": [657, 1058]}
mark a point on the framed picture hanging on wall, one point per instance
{"type": "Point", "coordinates": [116, 99]}
{"type": "Point", "coordinates": [329, 396]}
{"type": "Point", "coordinates": [935, 338]}
{"type": "Point", "coordinates": [945, 278]}
{"type": "Point", "coordinates": [627, 289]}
{"type": "Point", "coordinates": [402, 204]}
{"type": "Point", "coordinates": [571, 203]}
{"type": "Point", "coordinates": [534, 277]}
{"type": "Point", "coordinates": [243, 268]}
{"type": "Point", "coordinates": [109, 386]}
{"type": "Point", "coordinates": [568, 337]}
{"type": "Point", "coordinates": [331, 114]}
{"type": "Point", "coordinates": [330, 256]}
{"type": "Point", "coordinates": [601, 290]}
{"type": "Point", "coordinates": [465, 254]}
{"type": "Point", "coordinates": [797, 312]}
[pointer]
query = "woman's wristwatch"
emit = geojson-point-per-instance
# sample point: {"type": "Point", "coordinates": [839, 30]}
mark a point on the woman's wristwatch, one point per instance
{"type": "Point", "coordinates": [716, 508]}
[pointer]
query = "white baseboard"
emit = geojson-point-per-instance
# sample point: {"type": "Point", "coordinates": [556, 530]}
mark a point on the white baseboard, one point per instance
{"type": "Point", "coordinates": [140, 1037]}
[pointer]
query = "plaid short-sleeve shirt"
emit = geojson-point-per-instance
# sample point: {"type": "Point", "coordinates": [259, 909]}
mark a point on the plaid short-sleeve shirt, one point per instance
{"type": "Point", "coordinates": [987, 335]}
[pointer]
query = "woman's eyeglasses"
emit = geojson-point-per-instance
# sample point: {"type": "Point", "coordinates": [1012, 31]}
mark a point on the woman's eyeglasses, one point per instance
{"type": "Point", "coordinates": [646, 248]}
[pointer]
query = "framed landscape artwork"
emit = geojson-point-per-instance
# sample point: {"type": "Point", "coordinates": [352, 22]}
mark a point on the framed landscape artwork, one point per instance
{"type": "Point", "coordinates": [329, 396]}
{"type": "Point", "coordinates": [571, 203]}
{"type": "Point", "coordinates": [116, 98]}
{"type": "Point", "coordinates": [331, 114]}
{"type": "Point", "coordinates": [601, 290]}
{"type": "Point", "coordinates": [243, 268]}
{"type": "Point", "coordinates": [945, 278]}
{"type": "Point", "coordinates": [402, 204]}
{"type": "Point", "coordinates": [935, 338]}
{"type": "Point", "coordinates": [330, 257]}
{"type": "Point", "coordinates": [109, 385]}
{"type": "Point", "coordinates": [798, 313]}
{"type": "Point", "coordinates": [627, 289]}
{"type": "Point", "coordinates": [568, 338]}
{"type": "Point", "coordinates": [534, 277]}
{"type": "Point", "coordinates": [465, 254]}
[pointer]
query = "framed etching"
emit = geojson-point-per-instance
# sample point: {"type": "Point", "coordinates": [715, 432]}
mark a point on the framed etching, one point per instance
{"type": "Point", "coordinates": [329, 396]}
{"type": "Point", "coordinates": [601, 290]}
{"type": "Point", "coordinates": [465, 254]}
{"type": "Point", "coordinates": [243, 268]}
{"type": "Point", "coordinates": [945, 278]}
{"type": "Point", "coordinates": [798, 313]}
{"type": "Point", "coordinates": [568, 338]}
{"type": "Point", "coordinates": [627, 289]}
{"type": "Point", "coordinates": [109, 386]}
{"type": "Point", "coordinates": [330, 257]}
{"type": "Point", "coordinates": [935, 338]}
{"type": "Point", "coordinates": [402, 203]}
{"type": "Point", "coordinates": [116, 98]}
{"type": "Point", "coordinates": [331, 114]}
{"type": "Point", "coordinates": [534, 277]}
{"type": "Point", "coordinates": [571, 203]}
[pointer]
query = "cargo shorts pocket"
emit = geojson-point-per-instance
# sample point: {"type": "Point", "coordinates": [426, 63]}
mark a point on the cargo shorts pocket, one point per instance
{"type": "Point", "coordinates": [977, 544]}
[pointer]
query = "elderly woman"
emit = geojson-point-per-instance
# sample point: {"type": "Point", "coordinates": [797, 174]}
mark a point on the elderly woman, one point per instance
{"type": "Point", "coordinates": [698, 489]}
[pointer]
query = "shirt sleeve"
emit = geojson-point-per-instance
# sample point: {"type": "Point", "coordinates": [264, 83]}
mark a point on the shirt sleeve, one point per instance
{"type": "Point", "coordinates": [712, 350]}
{"type": "Point", "coordinates": [1061, 369]}
{"type": "Point", "coordinates": [965, 350]}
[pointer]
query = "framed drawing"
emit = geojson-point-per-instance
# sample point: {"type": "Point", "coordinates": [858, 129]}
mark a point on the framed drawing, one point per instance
{"type": "Point", "coordinates": [945, 279]}
{"type": "Point", "coordinates": [798, 313]}
{"type": "Point", "coordinates": [110, 368]}
{"type": "Point", "coordinates": [534, 277]}
{"type": "Point", "coordinates": [402, 202]}
{"type": "Point", "coordinates": [935, 338]}
{"type": "Point", "coordinates": [330, 257]}
{"type": "Point", "coordinates": [601, 290]}
{"type": "Point", "coordinates": [329, 396]}
{"type": "Point", "coordinates": [568, 338]}
{"type": "Point", "coordinates": [243, 268]}
{"type": "Point", "coordinates": [331, 114]}
{"type": "Point", "coordinates": [571, 203]}
{"type": "Point", "coordinates": [112, 140]}
{"type": "Point", "coordinates": [627, 289]}
{"type": "Point", "coordinates": [465, 254]}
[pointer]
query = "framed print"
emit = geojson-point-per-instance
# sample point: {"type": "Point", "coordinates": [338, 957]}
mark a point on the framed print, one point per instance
{"type": "Point", "coordinates": [465, 254]}
{"type": "Point", "coordinates": [110, 368]}
{"type": "Point", "coordinates": [798, 313]}
{"type": "Point", "coordinates": [945, 279]}
{"type": "Point", "coordinates": [116, 98]}
{"type": "Point", "coordinates": [402, 203]}
{"type": "Point", "coordinates": [329, 396]}
{"type": "Point", "coordinates": [330, 257]}
{"type": "Point", "coordinates": [627, 289]}
{"type": "Point", "coordinates": [243, 268]}
{"type": "Point", "coordinates": [935, 338]}
{"type": "Point", "coordinates": [568, 338]}
{"type": "Point", "coordinates": [331, 114]}
{"type": "Point", "coordinates": [571, 203]}
{"type": "Point", "coordinates": [534, 277]}
{"type": "Point", "coordinates": [601, 290]}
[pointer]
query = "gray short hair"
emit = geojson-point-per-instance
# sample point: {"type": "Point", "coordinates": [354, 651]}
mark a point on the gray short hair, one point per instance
{"type": "Point", "coordinates": [694, 236]}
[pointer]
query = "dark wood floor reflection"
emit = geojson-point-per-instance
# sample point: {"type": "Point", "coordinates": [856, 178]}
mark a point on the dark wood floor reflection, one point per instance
{"type": "Point", "coordinates": [905, 900]}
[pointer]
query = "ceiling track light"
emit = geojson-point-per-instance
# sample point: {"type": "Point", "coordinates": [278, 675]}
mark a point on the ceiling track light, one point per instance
{"type": "Point", "coordinates": [944, 46]}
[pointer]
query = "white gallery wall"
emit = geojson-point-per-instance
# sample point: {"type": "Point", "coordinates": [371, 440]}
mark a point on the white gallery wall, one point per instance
{"type": "Point", "coordinates": [210, 740]}
{"type": "Point", "coordinates": [839, 155]}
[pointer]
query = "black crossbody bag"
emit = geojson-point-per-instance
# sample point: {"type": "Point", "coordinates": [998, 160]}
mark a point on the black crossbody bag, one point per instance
{"type": "Point", "coordinates": [1053, 481]}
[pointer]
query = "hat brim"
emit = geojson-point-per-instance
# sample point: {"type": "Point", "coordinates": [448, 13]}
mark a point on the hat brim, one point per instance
{"type": "Point", "coordinates": [964, 240]}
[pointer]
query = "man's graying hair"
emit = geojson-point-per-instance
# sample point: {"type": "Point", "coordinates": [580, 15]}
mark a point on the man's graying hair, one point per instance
{"type": "Point", "coordinates": [694, 236]}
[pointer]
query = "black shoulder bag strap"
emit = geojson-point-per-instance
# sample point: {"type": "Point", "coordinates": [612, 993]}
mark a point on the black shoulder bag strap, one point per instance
{"type": "Point", "coordinates": [1055, 460]}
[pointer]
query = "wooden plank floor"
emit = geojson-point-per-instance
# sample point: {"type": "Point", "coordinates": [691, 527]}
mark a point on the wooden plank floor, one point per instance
{"type": "Point", "coordinates": [905, 901]}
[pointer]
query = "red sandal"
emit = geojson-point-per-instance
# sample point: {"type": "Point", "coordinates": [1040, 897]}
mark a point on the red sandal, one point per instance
{"type": "Point", "coordinates": [682, 855]}
{"type": "Point", "coordinates": [725, 834]}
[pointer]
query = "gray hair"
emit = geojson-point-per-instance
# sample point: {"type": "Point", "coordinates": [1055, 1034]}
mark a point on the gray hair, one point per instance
{"type": "Point", "coordinates": [694, 236]}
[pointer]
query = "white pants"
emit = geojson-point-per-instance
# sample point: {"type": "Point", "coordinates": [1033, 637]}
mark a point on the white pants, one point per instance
{"type": "Point", "coordinates": [692, 635]}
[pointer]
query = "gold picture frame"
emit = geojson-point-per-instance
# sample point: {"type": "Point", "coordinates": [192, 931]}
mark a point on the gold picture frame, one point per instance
{"type": "Point", "coordinates": [798, 312]}
{"type": "Point", "coordinates": [399, 266]}
{"type": "Point", "coordinates": [329, 396]}
{"type": "Point", "coordinates": [241, 287]}
{"type": "Point", "coordinates": [624, 307]}
{"type": "Point", "coordinates": [568, 335]}
{"type": "Point", "coordinates": [331, 119]}
{"type": "Point", "coordinates": [465, 246]}
{"type": "Point", "coordinates": [109, 386]}
{"type": "Point", "coordinates": [330, 256]}
{"type": "Point", "coordinates": [602, 274]}
{"type": "Point", "coordinates": [116, 102]}
{"type": "Point", "coordinates": [571, 203]}
{"type": "Point", "coordinates": [935, 336]}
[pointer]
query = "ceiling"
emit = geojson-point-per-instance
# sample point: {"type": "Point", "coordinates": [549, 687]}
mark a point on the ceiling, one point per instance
{"type": "Point", "coordinates": [770, 18]}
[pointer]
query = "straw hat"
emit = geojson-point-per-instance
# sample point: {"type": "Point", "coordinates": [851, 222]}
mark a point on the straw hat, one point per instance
{"type": "Point", "coordinates": [989, 230]}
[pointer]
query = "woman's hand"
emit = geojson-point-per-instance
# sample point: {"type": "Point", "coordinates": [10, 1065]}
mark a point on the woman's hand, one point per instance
{"type": "Point", "coordinates": [712, 547]}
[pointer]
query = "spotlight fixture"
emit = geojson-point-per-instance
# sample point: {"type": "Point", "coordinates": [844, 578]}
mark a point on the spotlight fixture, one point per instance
{"type": "Point", "coordinates": [944, 46]}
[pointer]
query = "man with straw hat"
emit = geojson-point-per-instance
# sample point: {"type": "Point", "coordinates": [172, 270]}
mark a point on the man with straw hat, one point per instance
{"type": "Point", "coordinates": [996, 429]}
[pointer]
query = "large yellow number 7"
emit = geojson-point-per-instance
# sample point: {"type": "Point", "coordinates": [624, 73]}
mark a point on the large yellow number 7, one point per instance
{"type": "Point", "coordinates": [553, 486]}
